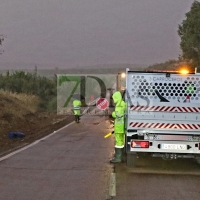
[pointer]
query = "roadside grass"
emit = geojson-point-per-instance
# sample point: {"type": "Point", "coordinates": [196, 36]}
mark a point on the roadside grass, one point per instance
{"type": "Point", "coordinates": [22, 113]}
{"type": "Point", "coordinates": [17, 105]}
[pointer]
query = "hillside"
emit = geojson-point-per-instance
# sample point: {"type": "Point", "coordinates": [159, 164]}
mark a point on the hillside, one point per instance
{"type": "Point", "coordinates": [19, 113]}
{"type": "Point", "coordinates": [98, 69]}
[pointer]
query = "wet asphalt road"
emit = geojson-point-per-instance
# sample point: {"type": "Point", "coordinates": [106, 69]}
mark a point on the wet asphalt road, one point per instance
{"type": "Point", "coordinates": [73, 164]}
{"type": "Point", "coordinates": [158, 179]}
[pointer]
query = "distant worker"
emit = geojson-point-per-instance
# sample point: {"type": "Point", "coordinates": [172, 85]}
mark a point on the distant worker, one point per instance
{"type": "Point", "coordinates": [77, 110]}
{"type": "Point", "coordinates": [119, 127]}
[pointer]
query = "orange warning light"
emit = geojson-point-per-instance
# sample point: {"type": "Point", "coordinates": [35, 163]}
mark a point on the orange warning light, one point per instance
{"type": "Point", "coordinates": [184, 71]}
{"type": "Point", "coordinates": [123, 75]}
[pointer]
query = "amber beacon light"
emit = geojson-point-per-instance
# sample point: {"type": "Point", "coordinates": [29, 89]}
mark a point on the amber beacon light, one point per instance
{"type": "Point", "coordinates": [184, 71]}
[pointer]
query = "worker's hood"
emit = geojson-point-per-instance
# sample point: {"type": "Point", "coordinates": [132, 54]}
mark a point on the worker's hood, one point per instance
{"type": "Point", "coordinates": [117, 97]}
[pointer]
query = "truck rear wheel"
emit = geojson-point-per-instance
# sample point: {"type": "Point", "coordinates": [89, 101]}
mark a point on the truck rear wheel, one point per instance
{"type": "Point", "coordinates": [197, 160]}
{"type": "Point", "coordinates": [131, 159]}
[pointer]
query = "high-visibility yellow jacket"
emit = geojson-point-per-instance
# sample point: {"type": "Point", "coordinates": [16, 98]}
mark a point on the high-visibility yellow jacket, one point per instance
{"type": "Point", "coordinates": [77, 107]}
{"type": "Point", "coordinates": [119, 112]}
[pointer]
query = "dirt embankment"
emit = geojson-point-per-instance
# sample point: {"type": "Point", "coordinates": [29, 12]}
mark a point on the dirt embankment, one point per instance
{"type": "Point", "coordinates": [19, 113]}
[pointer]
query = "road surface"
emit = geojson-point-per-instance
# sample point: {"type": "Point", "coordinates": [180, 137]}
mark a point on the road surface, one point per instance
{"type": "Point", "coordinates": [73, 164]}
{"type": "Point", "coordinates": [158, 179]}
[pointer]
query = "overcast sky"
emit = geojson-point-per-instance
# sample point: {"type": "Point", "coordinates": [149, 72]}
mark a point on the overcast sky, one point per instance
{"type": "Point", "coordinates": [70, 33]}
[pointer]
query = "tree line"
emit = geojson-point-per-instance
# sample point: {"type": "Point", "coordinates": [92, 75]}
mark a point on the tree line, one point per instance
{"type": "Point", "coordinates": [189, 32]}
{"type": "Point", "coordinates": [28, 83]}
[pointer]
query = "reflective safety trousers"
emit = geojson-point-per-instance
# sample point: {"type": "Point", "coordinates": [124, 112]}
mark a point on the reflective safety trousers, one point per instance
{"type": "Point", "coordinates": [119, 131]}
{"type": "Point", "coordinates": [119, 140]}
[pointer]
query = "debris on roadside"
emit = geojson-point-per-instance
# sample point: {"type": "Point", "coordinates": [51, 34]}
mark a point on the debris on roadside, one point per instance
{"type": "Point", "coordinates": [14, 135]}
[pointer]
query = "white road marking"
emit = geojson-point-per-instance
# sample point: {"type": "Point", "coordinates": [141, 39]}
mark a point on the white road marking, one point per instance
{"type": "Point", "coordinates": [112, 186]}
{"type": "Point", "coordinates": [34, 143]}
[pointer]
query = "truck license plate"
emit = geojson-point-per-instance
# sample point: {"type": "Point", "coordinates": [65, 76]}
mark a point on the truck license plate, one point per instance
{"type": "Point", "coordinates": [174, 146]}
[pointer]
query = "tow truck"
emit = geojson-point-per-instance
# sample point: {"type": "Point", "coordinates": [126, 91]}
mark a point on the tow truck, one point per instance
{"type": "Point", "coordinates": [163, 114]}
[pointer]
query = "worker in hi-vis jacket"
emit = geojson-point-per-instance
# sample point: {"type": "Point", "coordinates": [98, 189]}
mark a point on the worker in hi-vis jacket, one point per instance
{"type": "Point", "coordinates": [77, 110]}
{"type": "Point", "coordinates": [119, 128]}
